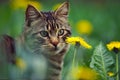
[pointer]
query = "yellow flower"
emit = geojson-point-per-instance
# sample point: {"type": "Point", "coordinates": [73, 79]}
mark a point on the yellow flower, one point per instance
{"type": "Point", "coordinates": [20, 63]}
{"type": "Point", "coordinates": [22, 4]}
{"type": "Point", "coordinates": [56, 6]}
{"type": "Point", "coordinates": [114, 45]}
{"type": "Point", "coordinates": [111, 74]}
{"type": "Point", "coordinates": [84, 27]}
{"type": "Point", "coordinates": [83, 73]}
{"type": "Point", "coordinates": [16, 4]}
{"type": "Point", "coordinates": [81, 41]}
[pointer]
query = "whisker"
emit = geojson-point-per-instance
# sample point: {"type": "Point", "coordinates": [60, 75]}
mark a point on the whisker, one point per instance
{"type": "Point", "coordinates": [36, 50]}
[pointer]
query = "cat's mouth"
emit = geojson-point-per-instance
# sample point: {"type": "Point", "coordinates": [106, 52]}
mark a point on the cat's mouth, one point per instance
{"type": "Point", "coordinates": [55, 48]}
{"type": "Point", "coordinates": [50, 49]}
{"type": "Point", "coordinates": [58, 48]}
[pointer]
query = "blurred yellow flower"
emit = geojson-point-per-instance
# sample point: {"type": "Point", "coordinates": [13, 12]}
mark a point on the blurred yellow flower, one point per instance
{"type": "Point", "coordinates": [22, 4]}
{"type": "Point", "coordinates": [20, 63]}
{"type": "Point", "coordinates": [81, 41]}
{"type": "Point", "coordinates": [84, 27]}
{"type": "Point", "coordinates": [114, 46]}
{"type": "Point", "coordinates": [111, 74]}
{"type": "Point", "coordinates": [83, 73]}
{"type": "Point", "coordinates": [56, 6]}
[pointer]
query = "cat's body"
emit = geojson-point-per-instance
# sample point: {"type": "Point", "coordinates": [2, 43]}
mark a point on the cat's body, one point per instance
{"type": "Point", "coordinates": [44, 34]}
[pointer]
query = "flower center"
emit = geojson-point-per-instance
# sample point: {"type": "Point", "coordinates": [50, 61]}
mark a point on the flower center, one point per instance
{"type": "Point", "coordinates": [116, 50]}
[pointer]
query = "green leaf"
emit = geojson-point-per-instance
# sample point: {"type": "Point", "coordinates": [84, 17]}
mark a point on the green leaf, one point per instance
{"type": "Point", "coordinates": [102, 61]}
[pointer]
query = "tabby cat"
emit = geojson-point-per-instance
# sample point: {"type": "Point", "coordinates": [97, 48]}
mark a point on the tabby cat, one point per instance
{"type": "Point", "coordinates": [44, 34]}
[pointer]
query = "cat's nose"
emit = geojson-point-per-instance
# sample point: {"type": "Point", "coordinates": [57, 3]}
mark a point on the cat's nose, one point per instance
{"type": "Point", "coordinates": [55, 43]}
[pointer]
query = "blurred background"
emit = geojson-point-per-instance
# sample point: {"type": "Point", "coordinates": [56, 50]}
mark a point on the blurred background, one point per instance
{"type": "Point", "coordinates": [103, 16]}
{"type": "Point", "coordinates": [95, 20]}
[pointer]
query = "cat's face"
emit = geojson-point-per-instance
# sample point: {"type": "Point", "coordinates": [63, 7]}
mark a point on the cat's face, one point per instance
{"type": "Point", "coordinates": [45, 32]}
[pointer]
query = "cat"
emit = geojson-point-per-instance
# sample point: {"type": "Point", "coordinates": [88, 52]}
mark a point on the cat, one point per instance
{"type": "Point", "coordinates": [44, 34]}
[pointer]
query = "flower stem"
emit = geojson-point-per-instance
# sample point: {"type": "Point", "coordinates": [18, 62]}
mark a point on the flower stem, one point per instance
{"type": "Point", "coordinates": [117, 66]}
{"type": "Point", "coordinates": [73, 62]}
{"type": "Point", "coordinates": [75, 52]}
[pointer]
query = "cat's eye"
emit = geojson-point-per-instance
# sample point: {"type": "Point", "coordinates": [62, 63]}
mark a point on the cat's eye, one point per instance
{"type": "Point", "coordinates": [61, 32]}
{"type": "Point", "coordinates": [44, 33]}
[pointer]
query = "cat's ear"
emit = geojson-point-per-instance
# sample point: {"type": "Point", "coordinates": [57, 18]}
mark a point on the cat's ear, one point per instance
{"type": "Point", "coordinates": [32, 13]}
{"type": "Point", "coordinates": [63, 9]}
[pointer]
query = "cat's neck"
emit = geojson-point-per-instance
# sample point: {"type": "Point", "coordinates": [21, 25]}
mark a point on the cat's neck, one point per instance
{"type": "Point", "coordinates": [55, 64]}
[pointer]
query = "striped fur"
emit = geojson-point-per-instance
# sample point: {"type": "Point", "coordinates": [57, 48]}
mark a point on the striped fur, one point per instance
{"type": "Point", "coordinates": [45, 33]}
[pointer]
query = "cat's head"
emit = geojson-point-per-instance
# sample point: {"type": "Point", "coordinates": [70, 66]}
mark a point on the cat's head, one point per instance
{"type": "Point", "coordinates": [46, 32]}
